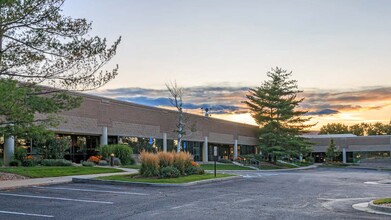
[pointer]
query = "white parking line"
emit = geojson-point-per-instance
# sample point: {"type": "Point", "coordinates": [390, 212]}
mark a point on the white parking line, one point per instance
{"type": "Point", "coordinates": [92, 190]}
{"type": "Point", "coordinates": [55, 198]}
{"type": "Point", "coordinates": [26, 214]}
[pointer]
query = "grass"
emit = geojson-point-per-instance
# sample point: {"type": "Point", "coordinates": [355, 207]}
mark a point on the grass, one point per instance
{"type": "Point", "coordinates": [269, 167]}
{"type": "Point", "coordinates": [286, 166]}
{"type": "Point", "coordinates": [224, 167]}
{"type": "Point", "coordinates": [41, 171]}
{"type": "Point", "coordinates": [335, 165]}
{"type": "Point", "coordinates": [182, 179]}
{"type": "Point", "coordinates": [382, 201]}
{"type": "Point", "coordinates": [135, 166]}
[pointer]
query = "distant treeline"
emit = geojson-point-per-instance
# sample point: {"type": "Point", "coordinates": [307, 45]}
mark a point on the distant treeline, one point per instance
{"type": "Point", "coordinates": [360, 129]}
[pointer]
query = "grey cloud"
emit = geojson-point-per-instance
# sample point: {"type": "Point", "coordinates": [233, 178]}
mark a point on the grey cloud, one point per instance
{"type": "Point", "coordinates": [226, 99]}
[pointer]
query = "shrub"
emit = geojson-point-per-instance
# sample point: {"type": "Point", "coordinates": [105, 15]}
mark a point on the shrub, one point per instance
{"type": "Point", "coordinates": [103, 163]}
{"type": "Point", "coordinates": [117, 162]}
{"type": "Point", "coordinates": [123, 152]}
{"type": "Point", "coordinates": [15, 163]}
{"type": "Point", "coordinates": [29, 161]}
{"type": "Point", "coordinates": [88, 163]}
{"type": "Point", "coordinates": [1, 162]}
{"type": "Point", "coordinates": [191, 170]}
{"type": "Point", "coordinates": [95, 159]}
{"type": "Point", "coordinates": [149, 164]}
{"type": "Point", "coordinates": [55, 148]}
{"type": "Point", "coordinates": [181, 161]}
{"type": "Point", "coordinates": [195, 164]}
{"type": "Point", "coordinates": [20, 153]}
{"type": "Point", "coordinates": [200, 170]}
{"type": "Point", "coordinates": [224, 161]}
{"type": "Point", "coordinates": [165, 159]}
{"type": "Point", "coordinates": [169, 172]}
{"type": "Point", "coordinates": [56, 162]}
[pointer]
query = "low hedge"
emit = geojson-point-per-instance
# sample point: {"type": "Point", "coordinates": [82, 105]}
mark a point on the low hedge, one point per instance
{"type": "Point", "coordinates": [56, 162]}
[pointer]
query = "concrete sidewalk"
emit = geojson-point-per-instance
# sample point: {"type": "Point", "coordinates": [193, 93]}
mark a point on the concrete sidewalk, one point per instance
{"type": "Point", "coordinates": [11, 184]}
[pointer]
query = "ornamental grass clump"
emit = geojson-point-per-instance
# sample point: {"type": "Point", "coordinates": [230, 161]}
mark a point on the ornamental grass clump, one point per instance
{"type": "Point", "coordinates": [182, 160]}
{"type": "Point", "coordinates": [149, 164]}
{"type": "Point", "coordinates": [165, 159]}
{"type": "Point", "coordinates": [168, 164]}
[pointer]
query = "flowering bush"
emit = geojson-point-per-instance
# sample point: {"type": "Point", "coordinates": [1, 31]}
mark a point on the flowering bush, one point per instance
{"type": "Point", "coordinates": [29, 161]}
{"type": "Point", "coordinates": [94, 159]}
{"type": "Point", "coordinates": [194, 164]}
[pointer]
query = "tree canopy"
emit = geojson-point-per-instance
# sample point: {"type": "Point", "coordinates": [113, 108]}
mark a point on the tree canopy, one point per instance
{"type": "Point", "coordinates": [40, 45]}
{"type": "Point", "coordinates": [22, 111]}
{"type": "Point", "coordinates": [274, 106]}
{"type": "Point", "coordinates": [334, 128]}
{"type": "Point", "coordinates": [359, 129]}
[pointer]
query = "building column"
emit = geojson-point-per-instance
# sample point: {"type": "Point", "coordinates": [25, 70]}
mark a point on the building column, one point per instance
{"type": "Point", "coordinates": [344, 155]}
{"type": "Point", "coordinates": [205, 150]}
{"type": "Point", "coordinates": [236, 149]}
{"type": "Point", "coordinates": [104, 137]}
{"type": "Point", "coordinates": [9, 149]}
{"type": "Point", "coordinates": [164, 142]}
{"type": "Point", "coordinates": [390, 147]}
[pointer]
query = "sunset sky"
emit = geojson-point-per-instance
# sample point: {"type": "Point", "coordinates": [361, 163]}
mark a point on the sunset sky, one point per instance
{"type": "Point", "coordinates": [338, 50]}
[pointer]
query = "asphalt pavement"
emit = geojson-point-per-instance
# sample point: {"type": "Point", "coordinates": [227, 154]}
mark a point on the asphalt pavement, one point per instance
{"type": "Point", "coordinates": [321, 193]}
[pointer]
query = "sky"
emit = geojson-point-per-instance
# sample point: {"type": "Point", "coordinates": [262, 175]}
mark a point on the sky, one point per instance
{"type": "Point", "coordinates": [338, 50]}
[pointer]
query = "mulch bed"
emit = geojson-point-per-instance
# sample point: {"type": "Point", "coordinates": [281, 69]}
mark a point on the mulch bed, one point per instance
{"type": "Point", "coordinates": [11, 176]}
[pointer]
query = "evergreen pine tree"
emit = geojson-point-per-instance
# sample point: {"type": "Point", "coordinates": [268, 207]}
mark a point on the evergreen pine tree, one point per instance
{"type": "Point", "coordinates": [331, 152]}
{"type": "Point", "coordinates": [274, 107]}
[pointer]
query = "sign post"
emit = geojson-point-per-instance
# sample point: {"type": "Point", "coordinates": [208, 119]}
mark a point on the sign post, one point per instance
{"type": "Point", "coordinates": [215, 157]}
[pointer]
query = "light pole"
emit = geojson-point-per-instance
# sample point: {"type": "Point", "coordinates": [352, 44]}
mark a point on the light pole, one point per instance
{"type": "Point", "coordinates": [206, 111]}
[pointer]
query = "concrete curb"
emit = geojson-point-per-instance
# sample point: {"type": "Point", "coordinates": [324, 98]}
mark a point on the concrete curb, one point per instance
{"type": "Point", "coordinates": [278, 170]}
{"type": "Point", "coordinates": [365, 207]}
{"type": "Point", "coordinates": [13, 184]}
{"type": "Point", "coordinates": [379, 208]}
{"type": "Point", "coordinates": [368, 168]}
{"type": "Point", "coordinates": [115, 182]}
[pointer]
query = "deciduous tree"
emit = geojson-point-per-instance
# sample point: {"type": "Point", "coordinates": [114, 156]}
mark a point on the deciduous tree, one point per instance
{"type": "Point", "coordinates": [176, 100]}
{"type": "Point", "coordinates": [334, 128]}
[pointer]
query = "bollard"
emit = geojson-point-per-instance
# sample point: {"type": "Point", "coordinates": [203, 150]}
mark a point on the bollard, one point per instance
{"type": "Point", "coordinates": [111, 159]}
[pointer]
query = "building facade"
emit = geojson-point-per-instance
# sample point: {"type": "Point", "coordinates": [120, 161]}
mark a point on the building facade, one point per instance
{"type": "Point", "coordinates": [99, 121]}
{"type": "Point", "coordinates": [353, 148]}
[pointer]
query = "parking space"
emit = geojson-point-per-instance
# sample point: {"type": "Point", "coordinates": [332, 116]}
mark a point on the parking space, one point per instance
{"type": "Point", "coordinates": [320, 193]}
{"type": "Point", "coordinates": [64, 201]}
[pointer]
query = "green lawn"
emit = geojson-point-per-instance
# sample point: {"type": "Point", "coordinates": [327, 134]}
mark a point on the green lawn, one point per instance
{"type": "Point", "coordinates": [132, 166]}
{"type": "Point", "coordinates": [335, 165]}
{"type": "Point", "coordinates": [182, 179]}
{"type": "Point", "coordinates": [382, 201]}
{"type": "Point", "coordinates": [41, 171]}
{"type": "Point", "coordinates": [223, 167]}
{"type": "Point", "coordinates": [265, 167]}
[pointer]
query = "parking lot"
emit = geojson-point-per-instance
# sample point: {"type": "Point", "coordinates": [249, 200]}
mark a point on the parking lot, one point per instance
{"type": "Point", "coordinates": [311, 194]}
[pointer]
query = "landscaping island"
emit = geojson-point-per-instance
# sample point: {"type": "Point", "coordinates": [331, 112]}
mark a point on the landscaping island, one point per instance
{"type": "Point", "coordinates": [183, 179]}
{"type": "Point", "coordinates": [383, 202]}
{"type": "Point", "coordinates": [168, 168]}
{"type": "Point", "coordinates": [56, 171]}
